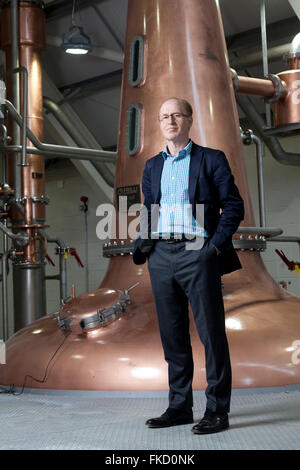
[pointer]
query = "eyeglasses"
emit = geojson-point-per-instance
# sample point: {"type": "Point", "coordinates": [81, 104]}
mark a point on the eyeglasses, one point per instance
{"type": "Point", "coordinates": [175, 116]}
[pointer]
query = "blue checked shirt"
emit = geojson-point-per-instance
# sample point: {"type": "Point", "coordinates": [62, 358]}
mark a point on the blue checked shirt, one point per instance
{"type": "Point", "coordinates": [175, 211]}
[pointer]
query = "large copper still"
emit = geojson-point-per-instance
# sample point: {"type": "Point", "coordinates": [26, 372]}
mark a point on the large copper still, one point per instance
{"type": "Point", "coordinates": [180, 51]}
{"type": "Point", "coordinates": [29, 271]}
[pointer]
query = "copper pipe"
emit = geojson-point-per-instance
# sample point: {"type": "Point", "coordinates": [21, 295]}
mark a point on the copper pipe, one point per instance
{"type": "Point", "coordinates": [262, 319]}
{"type": "Point", "coordinates": [257, 86]}
{"type": "Point", "coordinates": [28, 274]}
{"type": "Point", "coordinates": [31, 44]}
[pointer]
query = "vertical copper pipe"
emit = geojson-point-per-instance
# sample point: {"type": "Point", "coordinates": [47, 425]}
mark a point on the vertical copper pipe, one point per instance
{"type": "Point", "coordinates": [28, 273]}
{"type": "Point", "coordinates": [9, 43]}
{"type": "Point", "coordinates": [31, 44]}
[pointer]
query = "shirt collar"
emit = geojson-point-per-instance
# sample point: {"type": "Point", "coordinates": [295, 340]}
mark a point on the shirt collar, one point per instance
{"type": "Point", "coordinates": [183, 153]}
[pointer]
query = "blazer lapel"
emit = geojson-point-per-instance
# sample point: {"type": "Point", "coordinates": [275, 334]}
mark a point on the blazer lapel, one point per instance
{"type": "Point", "coordinates": [155, 181]}
{"type": "Point", "coordinates": [195, 163]}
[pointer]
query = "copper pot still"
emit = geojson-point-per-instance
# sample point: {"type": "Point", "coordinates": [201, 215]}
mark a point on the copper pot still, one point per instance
{"type": "Point", "coordinates": [181, 51]}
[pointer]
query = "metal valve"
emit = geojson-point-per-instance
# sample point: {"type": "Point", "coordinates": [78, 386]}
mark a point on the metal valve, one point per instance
{"type": "Point", "coordinates": [72, 251]}
{"type": "Point", "coordinates": [290, 264]}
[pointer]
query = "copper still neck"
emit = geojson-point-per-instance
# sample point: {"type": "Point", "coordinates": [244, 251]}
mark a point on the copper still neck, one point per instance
{"type": "Point", "coordinates": [31, 26]}
{"type": "Point", "coordinates": [23, 40]}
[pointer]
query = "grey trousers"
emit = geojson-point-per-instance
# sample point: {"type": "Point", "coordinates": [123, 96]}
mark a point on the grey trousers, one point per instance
{"type": "Point", "coordinates": [179, 276]}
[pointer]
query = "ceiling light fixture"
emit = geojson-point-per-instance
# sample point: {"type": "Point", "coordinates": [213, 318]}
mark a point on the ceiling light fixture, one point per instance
{"type": "Point", "coordinates": [75, 41]}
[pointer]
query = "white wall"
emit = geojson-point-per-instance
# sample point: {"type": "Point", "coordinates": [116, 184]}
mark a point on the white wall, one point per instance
{"type": "Point", "coordinates": [282, 202]}
{"type": "Point", "coordinates": [64, 187]}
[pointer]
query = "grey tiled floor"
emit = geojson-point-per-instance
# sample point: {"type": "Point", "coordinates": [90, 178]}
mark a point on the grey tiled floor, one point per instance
{"type": "Point", "coordinates": [259, 419]}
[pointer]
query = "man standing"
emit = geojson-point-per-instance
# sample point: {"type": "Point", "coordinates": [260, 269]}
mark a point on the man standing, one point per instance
{"type": "Point", "coordinates": [182, 270]}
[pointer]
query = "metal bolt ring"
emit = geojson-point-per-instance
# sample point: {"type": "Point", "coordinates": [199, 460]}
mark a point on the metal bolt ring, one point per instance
{"type": "Point", "coordinates": [278, 88]}
{"type": "Point", "coordinates": [236, 79]}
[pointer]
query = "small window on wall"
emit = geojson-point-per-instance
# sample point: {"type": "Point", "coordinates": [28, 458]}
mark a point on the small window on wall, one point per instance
{"type": "Point", "coordinates": [133, 128]}
{"type": "Point", "coordinates": [136, 61]}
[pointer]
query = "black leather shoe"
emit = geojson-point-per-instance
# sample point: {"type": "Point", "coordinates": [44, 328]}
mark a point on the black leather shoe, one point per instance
{"type": "Point", "coordinates": [171, 417]}
{"type": "Point", "coordinates": [211, 423]}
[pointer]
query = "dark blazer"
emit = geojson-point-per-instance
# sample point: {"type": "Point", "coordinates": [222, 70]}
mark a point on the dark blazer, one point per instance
{"type": "Point", "coordinates": [210, 183]}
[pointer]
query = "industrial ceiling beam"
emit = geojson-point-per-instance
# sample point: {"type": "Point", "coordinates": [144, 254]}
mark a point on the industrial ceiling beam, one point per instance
{"type": "Point", "coordinates": [254, 58]}
{"type": "Point", "coordinates": [59, 8]}
{"type": "Point", "coordinates": [108, 27]}
{"type": "Point", "coordinates": [283, 29]}
{"type": "Point", "coordinates": [279, 31]}
{"type": "Point", "coordinates": [296, 7]}
{"type": "Point", "coordinates": [92, 85]}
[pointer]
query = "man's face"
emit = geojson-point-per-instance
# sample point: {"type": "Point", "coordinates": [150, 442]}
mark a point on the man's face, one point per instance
{"type": "Point", "coordinates": [174, 128]}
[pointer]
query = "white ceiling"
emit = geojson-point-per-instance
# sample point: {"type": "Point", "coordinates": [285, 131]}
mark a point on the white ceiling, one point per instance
{"type": "Point", "coordinates": [100, 111]}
